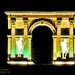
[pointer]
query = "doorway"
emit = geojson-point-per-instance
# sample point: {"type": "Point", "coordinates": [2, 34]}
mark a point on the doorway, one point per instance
{"type": "Point", "coordinates": [42, 45]}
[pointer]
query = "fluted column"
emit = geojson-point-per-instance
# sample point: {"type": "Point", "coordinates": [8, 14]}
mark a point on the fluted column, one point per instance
{"type": "Point", "coordinates": [25, 38]}
{"type": "Point", "coordinates": [71, 42]}
{"type": "Point", "coordinates": [13, 41]}
{"type": "Point", "coordinates": [54, 48]}
{"type": "Point", "coordinates": [58, 40]}
{"type": "Point", "coordinates": [29, 38]}
{"type": "Point", "coordinates": [58, 47]}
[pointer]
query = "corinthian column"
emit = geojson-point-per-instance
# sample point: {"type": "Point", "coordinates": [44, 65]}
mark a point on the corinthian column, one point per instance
{"type": "Point", "coordinates": [13, 42]}
{"type": "Point", "coordinates": [25, 20]}
{"type": "Point", "coordinates": [71, 50]}
{"type": "Point", "coordinates": [58, 43]}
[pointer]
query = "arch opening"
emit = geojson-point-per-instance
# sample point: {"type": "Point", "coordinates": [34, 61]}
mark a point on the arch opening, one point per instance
{"type": "Point", "coordinates": [42, 45]}
{"type": "Point", "coordinates": [45, 23]}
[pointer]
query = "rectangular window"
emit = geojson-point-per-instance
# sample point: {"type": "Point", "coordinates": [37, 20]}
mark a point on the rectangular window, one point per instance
{"type": "Point", "coordinates": [64, 31]}
{"type": "Point", "coordinates": [19, 32]}
{"type": "Point", "coordinates": [74, 31]}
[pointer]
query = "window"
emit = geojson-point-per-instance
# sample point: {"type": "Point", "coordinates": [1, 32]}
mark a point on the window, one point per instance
{"type": "Point", "coordinates": [74, 31]}
{"type": "Point", "coordinates": [19, 31]}
{"type": "Point", "coordinates": [64, 31]}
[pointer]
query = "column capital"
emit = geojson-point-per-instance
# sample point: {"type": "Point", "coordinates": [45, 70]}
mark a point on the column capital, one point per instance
{"type": "Point", "coordinates": [25, 20]}
{"type": "Point", "coordinates": [59, 19]}
{"type": "Point", "coordinates": [71, 20]}
{"type": "Point", "coordinates": [13, 21]}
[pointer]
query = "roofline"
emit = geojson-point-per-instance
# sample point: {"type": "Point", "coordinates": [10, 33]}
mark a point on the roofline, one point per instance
{"type": "Point", "coordinates": [40, 12]}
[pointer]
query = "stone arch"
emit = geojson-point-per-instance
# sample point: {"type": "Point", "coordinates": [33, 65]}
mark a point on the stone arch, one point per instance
{"type": "Point", "coordinates": [42, 23]}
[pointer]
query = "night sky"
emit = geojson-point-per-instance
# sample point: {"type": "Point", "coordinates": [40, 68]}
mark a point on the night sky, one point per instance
{"type": "Point", "coordinates": [40, 5]}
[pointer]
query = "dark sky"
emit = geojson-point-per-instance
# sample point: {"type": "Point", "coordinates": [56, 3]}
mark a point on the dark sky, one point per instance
{"type": "Point", "coordinates": [28, 5]}
{"type": "Point", "coordinates": [33, 5]}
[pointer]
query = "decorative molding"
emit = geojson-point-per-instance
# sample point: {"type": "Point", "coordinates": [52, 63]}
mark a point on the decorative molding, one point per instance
{"type": "Point", "coordinates": [44, 24]}
{"type": "Point", "coordinates": [39, 13]}
{"type": "Point", "coordinates": [59, 21]}
{"type": "Point", "coordinates": [13, 21]}
{"type": "Point", "coordinates": [71, 20]}
{"type": "Point", "coordinates": [42, 21]}
{"type": "Point", "coordinates": [25, 21]}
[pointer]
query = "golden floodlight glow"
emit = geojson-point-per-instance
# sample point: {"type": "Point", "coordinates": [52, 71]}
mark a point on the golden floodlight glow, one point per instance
{"type": "Point", "coordinates": [70, 63]}
{"type": "Point", "coordinates": [30, 63]}
{"type": "Point", "coordinates": [20, 38]}
{"type": "Point", "coordinates": [19, 62]}
{"type": "Point", "coordinates": [58, 63]}
{"type": "Point", "coordinates": [64, 63]}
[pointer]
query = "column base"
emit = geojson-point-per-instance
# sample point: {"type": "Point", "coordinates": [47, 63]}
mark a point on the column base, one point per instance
{"type": "Point", "coordinates": [19, 55]}
{"type": "Point", "coordinates": [64, 57]}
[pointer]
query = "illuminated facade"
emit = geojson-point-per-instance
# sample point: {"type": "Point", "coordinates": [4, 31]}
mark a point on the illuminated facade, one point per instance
{"type": "Point", "coordinates": [22, 24]}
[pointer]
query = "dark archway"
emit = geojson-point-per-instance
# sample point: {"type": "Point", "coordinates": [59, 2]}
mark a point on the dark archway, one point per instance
{"type": "Point", "coordinates": [42, 45]}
